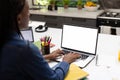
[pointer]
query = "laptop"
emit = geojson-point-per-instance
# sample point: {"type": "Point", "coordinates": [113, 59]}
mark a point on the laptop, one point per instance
{"type": "Point", "coordinates": [81, 40]}
{"type": "Point", "coordinates": [28, 34]}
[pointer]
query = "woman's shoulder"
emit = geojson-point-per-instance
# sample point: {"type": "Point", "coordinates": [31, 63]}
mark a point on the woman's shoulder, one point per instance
{"type": "Point", "coordinates": [21, 47]}
{"type": "Point", "coordinates": [21, 44]}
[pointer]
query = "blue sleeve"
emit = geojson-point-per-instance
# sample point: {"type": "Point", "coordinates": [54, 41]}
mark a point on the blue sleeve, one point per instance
{"type": "Point", "coordinates": [35, 65]}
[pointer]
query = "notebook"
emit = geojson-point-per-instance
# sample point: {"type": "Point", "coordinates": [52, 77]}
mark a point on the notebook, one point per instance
{"type": "Point", "coordinates": [75, 73]}
{"type": "Point", "coordinates": [28, 34]}
{"type": "Point", "coordinates": [82, 40]}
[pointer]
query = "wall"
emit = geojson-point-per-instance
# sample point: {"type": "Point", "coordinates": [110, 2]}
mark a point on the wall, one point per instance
{"type": "Point", "coordinates": [110, 4]}
{"type": "Point", "coordinates": [30, 3]}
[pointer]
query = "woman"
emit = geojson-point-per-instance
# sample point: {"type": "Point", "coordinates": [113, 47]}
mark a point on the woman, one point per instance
{"type": "Point", "coordinates": [19, 59]}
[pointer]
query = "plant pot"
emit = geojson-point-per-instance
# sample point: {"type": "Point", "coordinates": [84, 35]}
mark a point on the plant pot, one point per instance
{"type": "Point", "coordinates": [79, 7]}
{"type": "Point", "coordinates": [65, 6]}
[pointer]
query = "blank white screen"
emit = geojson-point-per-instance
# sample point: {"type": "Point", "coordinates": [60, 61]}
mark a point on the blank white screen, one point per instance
{"type": "Point", "coordinates": [27, 34]}
{"type": "Point", "coordinates": [79, 38]}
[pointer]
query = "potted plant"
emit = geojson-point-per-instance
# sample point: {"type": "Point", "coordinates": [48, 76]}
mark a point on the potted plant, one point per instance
{"type": "Point", "coordinates": [79, 4]}
{"type": "Point", "coordinates": [66, 3]}
{"type": "Point", "coordinates": [52, 2]}
{"type": "Point", "coordinates": [52, 5]}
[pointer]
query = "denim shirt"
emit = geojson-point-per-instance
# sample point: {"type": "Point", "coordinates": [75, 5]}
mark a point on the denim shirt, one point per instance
{"type": "Point", "coordinates": [18, 62]}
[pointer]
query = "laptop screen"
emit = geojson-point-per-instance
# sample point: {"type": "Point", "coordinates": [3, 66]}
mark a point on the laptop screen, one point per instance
{"type": "Point", "coordinates": [80, 39]}
{"type": "Point", "coordinates": [28, 34]}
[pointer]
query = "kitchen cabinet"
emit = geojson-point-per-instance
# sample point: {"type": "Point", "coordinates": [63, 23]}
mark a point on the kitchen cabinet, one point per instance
{"type": "Point", "coordinates": [37, 17]}
{"type": "Point", "coordinates": [58, 21]}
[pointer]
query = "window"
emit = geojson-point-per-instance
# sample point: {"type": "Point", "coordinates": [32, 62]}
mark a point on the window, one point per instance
{"type": "Point", "coordinates": [40, 2]}
{"type": "Point", "coordinates": [59, 2]}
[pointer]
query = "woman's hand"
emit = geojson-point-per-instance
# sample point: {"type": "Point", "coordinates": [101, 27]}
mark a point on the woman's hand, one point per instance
{"type": "Point", "coordinates": [71, 57]}
{"type": "Point", "coordinates": [54, 54]}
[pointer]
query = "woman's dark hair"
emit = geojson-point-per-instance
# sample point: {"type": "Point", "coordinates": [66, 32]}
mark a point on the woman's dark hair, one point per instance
{"type": "Point", "coordinates": [9, 10]}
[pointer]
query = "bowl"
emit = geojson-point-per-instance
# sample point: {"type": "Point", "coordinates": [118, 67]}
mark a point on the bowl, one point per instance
{"type": "Point", "coordinates": [91, 8]}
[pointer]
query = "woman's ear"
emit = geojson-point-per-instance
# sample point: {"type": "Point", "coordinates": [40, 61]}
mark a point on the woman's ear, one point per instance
{"type": "Point", "coordinates": [19, 19]}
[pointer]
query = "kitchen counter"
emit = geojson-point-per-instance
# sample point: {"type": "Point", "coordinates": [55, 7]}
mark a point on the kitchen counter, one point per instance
{"type": "Point", "coordinates": [70, 12]}
{"type": "Point", "coordinates": [71, 16]}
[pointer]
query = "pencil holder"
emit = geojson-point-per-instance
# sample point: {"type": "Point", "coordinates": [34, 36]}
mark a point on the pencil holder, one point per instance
{"type": "Point", "coordinates": [45, 44]}
{"type": "Point", "coordinates": [45, 49]}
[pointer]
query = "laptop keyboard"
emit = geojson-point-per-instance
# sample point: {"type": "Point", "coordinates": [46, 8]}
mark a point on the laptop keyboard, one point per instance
{"type": "Point", "coordinates": [82, 55]}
